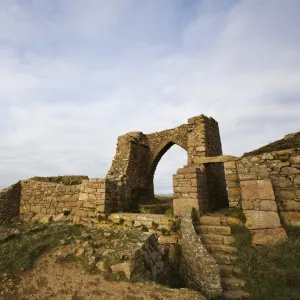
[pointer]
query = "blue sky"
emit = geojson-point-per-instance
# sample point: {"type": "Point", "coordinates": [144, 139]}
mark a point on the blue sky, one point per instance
{"type": "Point", "coordinates": [76, 74]}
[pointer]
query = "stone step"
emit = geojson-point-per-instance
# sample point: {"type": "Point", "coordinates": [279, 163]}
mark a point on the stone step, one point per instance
{"type": "Point", "coordinates": [224, 259]}
{"type": "Point", "coordinates": [210, 220]}
{"type": "Point", "coordinates": [235, 294]}
{"type": "Point", "coordinates": [226, 270]}
{"type": "Point", "coordinates": [216, 239]}
{"type": "Point", "coordinates": [232, 283]}
{"type": "Point", "coordinates": [225, 230]}
{"type": "Point", "coordinates": [220, 248]}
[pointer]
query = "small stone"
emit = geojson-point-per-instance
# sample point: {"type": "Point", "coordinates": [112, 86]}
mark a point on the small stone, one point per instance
{"type": "Point", "coordinates": [76, 219]}
{"type": "Point", "coordinates": [80, 252]}
{"type": "Point", "coordinates": [92, 260]}
{"type": "Point", "coordinates": [46, 219]}
{"type": "Point", "coordinates": [100, 266]}
{"type": "Point", "coordinates": [107, 234]}
{"type": "Point", "coordinates": [59, 217]}
{"type": "Point", "coordinates": [122, 267]}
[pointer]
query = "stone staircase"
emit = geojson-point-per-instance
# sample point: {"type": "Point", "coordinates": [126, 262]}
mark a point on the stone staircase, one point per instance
{"type": "Point", "coordinates": [215, 234]}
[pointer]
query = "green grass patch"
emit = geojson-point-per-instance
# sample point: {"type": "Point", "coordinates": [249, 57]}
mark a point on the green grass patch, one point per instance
{"type": "Point", "coordinates": [270, 272]}
{"type": "Point", "coordinates": [236, 213]}
{"type": "Point", "coordinates": [20, 252]}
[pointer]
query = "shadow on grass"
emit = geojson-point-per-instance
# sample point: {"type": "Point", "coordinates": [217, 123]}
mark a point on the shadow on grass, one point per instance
{"type": "Point", "coordinates": [270, 272]}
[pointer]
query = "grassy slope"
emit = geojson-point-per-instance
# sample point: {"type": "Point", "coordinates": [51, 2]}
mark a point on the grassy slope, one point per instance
{"type": "Point", "coordinates": [270, 272]}
{"type": "Point", "coordinates": [20, 252]}
{"type": "Point", "coordinates": [292, 142]}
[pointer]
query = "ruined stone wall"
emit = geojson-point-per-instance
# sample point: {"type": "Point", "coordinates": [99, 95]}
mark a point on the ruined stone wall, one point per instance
{"type": "Point", "coordinates": [85, 199]}
{"type": "Point", "coordinates": [283, 169]}
{"type": "Point", "coordinates": [232, 183]}
{"type": "Point", "coordinates": [48, 197]}
{"type": "Point", "coordinates": [161, 142]}
{"type": "Point", "coordinates": [261, 211]}
{"type": "Point", "coordinates": [129, 173]}
{"type": "Point", "coordinates": [190, 189]}
{"type": "Point", "coordinates": [10, 202]}
{"type": "Point", "coordinates": [203, 138]}
{"type": "Point", "coordinates": [137, 156]}
{"type": "Point", "coordinates": [198, 268]}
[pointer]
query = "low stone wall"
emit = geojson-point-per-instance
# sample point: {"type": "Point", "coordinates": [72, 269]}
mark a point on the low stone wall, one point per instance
{"type": "Point", "coordinates": [198, 268]}
{"type": "Point", "coordinates": [79, 196]}
{"type": "Point", "coordinates": [48, 197]}
{"type": "Point", "coordinates": [10, 202]}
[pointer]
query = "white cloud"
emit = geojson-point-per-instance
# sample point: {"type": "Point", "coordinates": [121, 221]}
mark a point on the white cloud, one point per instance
{"type": "Point", "coordinates": [76, 74]}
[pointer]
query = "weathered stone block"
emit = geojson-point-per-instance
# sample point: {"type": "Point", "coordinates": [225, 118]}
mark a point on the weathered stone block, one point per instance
{"type": "Point", "coordinates": [297, 180]}
{"type": "Point", "coordinates": [262, 219]}
{"type": "Point", "coordinates": [268, 205]}
{"type": "Point", "coordinates": [271, 237]}
{"type": "Point", "coordinates": [257, 189]}
{"type": "Point", "coordinates": [291, 218]}
{"type": "Point", "coordinates": [234, 192]}
{"type": "Point", "coordinates": [179, 205]}
{"type": "Point", "coordinates": [290, 171]}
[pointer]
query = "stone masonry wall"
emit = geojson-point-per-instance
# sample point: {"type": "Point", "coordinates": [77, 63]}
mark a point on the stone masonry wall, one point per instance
{"type": "Point", "coordinates": [260, 209]}
{"type": "Point", "coordinates": [48, 197]}
{"type": "Point", "coordinates": [203, 138]}
{"type": "Point", "coordinates": [86, 199]}
{"type": "Point", "coordinates": [137, 156]}
{"type": "Point", "coordinates": [160, 142]}
{"type": "Point", "coordinates": [190, 189]}
{"type": "Point", "coordinates": [283, 169]}
{"type": "Point", "coordinates": [10, 202]}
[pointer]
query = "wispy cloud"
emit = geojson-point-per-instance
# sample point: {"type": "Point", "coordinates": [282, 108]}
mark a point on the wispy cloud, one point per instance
{"type": "Point", "coordinates": [76, 74]}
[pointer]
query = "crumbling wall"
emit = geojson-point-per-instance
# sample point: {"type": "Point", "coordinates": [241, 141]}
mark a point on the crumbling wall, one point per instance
{"type": "Point", "coordinates": [138, 154]}
{"type": "Point", "coordinates": [80, 196]}
{"type": "Point", "coordinates": [10, 202]}
{"type": "Point", "coordinates": [48, 197]}
{"type": "Point", "coordinates": [283, 169]}
{"type": "Point", "coordinates": [161, 142]}
{"type": "Point", "coordinates": [129, 173]}
{"type": "Point", "coordinates": [190, 189]}
{"type": "Point", "coordinates": [198, 268]}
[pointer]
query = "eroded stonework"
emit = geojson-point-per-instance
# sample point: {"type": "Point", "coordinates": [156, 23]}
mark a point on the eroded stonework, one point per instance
{"type": "Point", "coordinates": [138, 154]}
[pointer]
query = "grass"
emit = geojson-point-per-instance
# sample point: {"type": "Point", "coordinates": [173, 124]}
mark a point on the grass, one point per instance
{"type": "Point", "coordinates": [157, 205]}
{"type": "Point", "coordinates": [236, 213]}
{"type": "Point", "coordinates": [66, 180]}
{"type": "Point", "coordinates": [270, 272]}
{"type": "Point", "coordinates": [20, 252]}
{"type": "Point", "coordinates": [293, 142]}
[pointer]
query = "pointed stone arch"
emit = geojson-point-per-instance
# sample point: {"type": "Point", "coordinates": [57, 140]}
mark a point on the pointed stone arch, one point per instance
{"type": "Point", "coordinates": [131, 174]}
{"type": "Point", "coordinates": [164, 147]}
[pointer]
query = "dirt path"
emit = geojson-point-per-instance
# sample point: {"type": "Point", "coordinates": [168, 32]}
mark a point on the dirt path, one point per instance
{"type": "Point", "coordinates": [68, 281]}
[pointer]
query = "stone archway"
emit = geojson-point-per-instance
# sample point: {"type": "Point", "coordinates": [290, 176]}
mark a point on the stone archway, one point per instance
{"type": "Point", "coordinates": [131, 174]}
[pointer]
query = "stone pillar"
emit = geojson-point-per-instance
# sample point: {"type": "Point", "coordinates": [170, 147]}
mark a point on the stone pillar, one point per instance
{"type": "Point", "coordinates": [203, 138]}
{"type": "Point", "coordinates": [190, 189]}
{"type": "Point", "coordinates": [233, 184]}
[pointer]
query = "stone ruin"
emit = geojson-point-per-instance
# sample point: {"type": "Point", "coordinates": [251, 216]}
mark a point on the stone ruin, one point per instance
{"type": "Point", "coordinates": [266, 187]}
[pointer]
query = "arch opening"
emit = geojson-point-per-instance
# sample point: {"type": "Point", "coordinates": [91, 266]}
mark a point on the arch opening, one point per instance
{"type": "Point", "coordinates": [168, 160]}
